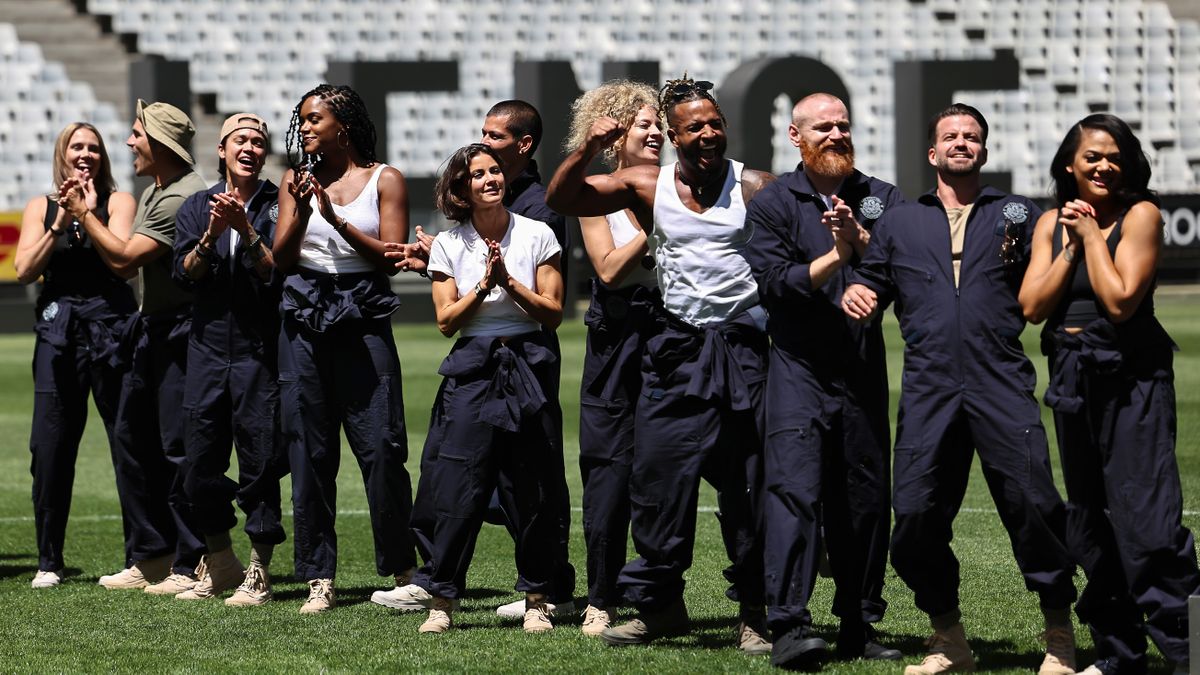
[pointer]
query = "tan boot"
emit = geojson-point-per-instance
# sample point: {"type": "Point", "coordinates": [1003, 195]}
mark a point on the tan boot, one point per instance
{"type": "Point", "coordinates": [595, 620]}
{"type": "Point", "coordinates": [671, 620]}
{"type": "Point", "coordinates": [223, 571]}
{"type": "Point", "coordinates": [139, 575]}
{"type": "Point", "coordinates": [439, 621]}
{"type": "Point", "coordinates": [752, 639]}
{"type": "Point", "coordinates": [537, 617]}
{"type": "Point", "coordinates": [255, 589]}
{"type": "Point", "coordinates": [173, 584]}
{"type": "Point", "coordinates": [1060, 651]}
{"type": "Point", "coordinates": [320, 597]}
{"type": "Point", "coordinates": [948, 652]}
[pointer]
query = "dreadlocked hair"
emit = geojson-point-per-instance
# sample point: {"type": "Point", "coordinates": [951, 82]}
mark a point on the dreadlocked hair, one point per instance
{"type": "Point", "coordinates": [684, 90]}
{"type": "Point", "coordinates": [348, 108]}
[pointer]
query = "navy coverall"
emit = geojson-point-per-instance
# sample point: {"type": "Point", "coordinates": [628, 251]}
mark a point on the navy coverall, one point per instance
{"type": "Point", "coordinates": [524, 196]}
{"type": "Point", "coordinates": [83, 313]}
{"type": "Point", "coordinates": [495, 429]}
{"type": "Point", "coordinates": [231, 394]}
{"type": "Point", "coordinates": [827, 453]}
{"type": "Point", "coordinates": [619, 322]}
{"type": "Point", "coordinates": [1112, 389]}
{"type": "Point", "coordinates": [338, 370]}
{"type": "Point", "coordinates": [699, 416]}
{"type": "Point", "coordinates": [967, 385]}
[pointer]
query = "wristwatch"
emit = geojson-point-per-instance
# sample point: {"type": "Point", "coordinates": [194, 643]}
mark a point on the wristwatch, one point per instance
{"type": "Point", "coordinates": [480, 290]}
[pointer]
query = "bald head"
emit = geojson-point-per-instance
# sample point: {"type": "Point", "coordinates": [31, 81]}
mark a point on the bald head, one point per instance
{"type": "Point", "coordinates": [821, 130]}
{"type": "Point", "coordinates": [817, 104]}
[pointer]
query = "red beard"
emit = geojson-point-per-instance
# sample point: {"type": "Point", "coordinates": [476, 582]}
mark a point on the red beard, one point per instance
{"type": "Point", "coordinates": [827, 163]}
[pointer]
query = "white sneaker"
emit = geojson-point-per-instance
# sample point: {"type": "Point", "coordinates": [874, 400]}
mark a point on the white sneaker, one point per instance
{"type": "Point", "coordinates": [516, 610]}
{"type": "Point", "coordinates": [409, 598]}
{"type": "Point", "coordinates": [46, 579]}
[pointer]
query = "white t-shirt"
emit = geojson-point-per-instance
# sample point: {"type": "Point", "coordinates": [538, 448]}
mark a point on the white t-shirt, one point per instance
{"type": "Point", "coordinates": [461, 253]}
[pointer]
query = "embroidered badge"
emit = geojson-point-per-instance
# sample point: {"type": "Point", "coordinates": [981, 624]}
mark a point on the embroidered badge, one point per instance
{"type": "Point", "coordinates": [273, 213]}
{"type": "Point", "coordinates": [871, 207]}
{"type": "Point", "coordinates": [50, 312]}
{"type": "Point", "coordinates": [1016, 212]}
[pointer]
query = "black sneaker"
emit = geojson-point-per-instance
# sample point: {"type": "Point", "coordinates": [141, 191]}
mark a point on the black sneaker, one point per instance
{"type": "Point", "coordinates": [798, 649]}
{"type": "Point", "coordinates": [862, 642]}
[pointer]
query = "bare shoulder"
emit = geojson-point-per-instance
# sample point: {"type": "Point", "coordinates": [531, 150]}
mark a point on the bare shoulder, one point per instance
{"type": "Point", "coordinates": [638, 176]}
{"type": "Point", "coordinates": [36, 206]}
{"type": "Point", "coordinates": [754, 180]}
{"type": "Point", "coordinates": [391, 174]}
{"type": "Point", "coordinates": [1144, 213]}
{"type": "Point", "coordinates": [120, 200]}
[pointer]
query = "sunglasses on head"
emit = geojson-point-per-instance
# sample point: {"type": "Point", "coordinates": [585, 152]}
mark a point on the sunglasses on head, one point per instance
{"type": "Point", "coordinates": [681, 88]}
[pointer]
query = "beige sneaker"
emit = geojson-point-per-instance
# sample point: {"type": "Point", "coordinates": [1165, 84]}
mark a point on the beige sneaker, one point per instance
{"type": "Point", "coordinates": [46, 579]}
{"type": "Point", "coordinates": [172, 585]}
{"type": "Point", "coordinates": [140, 575]}
{"type": "Point", "coordinates": [255, 589]}
{"type": "Point", "coordinates": [537, 617]}
{"type": "Point", "coordinates": [595, 620]}
{"type": "Point", "coordinates": [320, 597]}
{"type": "Point", "coordinates": [948, 652]}
{"type": "Point", "coordinates": [222, 571]}
{"type": "Point", "coordinates": [1060, 651]}
{"type": "Point", "coordinates": [752, 639]}
{"type": "Point", "coordinates": [439, 620]}
{"type": "Point", "coordinates": [671, 620]}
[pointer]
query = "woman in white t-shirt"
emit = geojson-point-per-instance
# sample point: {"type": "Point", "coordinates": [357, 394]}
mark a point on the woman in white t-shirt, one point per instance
{"type": "Point", "coordinates": [496, 281]}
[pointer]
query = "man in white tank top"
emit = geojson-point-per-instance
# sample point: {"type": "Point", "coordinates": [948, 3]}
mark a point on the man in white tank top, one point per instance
{"type": "Point", "coordinates": [701, 413]}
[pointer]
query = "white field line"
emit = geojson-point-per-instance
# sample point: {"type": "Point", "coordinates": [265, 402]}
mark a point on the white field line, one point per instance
{"type": "Point", "coordinates": [363, 512]}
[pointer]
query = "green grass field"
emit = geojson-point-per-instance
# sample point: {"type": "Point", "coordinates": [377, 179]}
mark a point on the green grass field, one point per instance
{"type": "Point", "coordinates": [81, 627]}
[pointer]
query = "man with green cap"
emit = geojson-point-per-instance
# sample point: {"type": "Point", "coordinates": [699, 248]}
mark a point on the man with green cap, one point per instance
{"type": "Point", "coordinates": [162, 549]}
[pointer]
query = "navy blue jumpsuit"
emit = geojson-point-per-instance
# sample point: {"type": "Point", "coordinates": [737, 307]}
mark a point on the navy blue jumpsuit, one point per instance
{"type": "Point", "coordinates": [619, 323]}
{"type": "Point", "coordinates": [231, 393]}
{"type": "Point", "coordinates": [967, 385]}
{"type": "Point", "coordinates": [524, 196]}
{"type": "Point", "coordinates": [827, 452]}
{"type": "Point", "coordinates": [83, 312]}
{"type": "Point", "coordinates": [338, 371]}
{"type": "Point", "coordinates": [1112, 388]}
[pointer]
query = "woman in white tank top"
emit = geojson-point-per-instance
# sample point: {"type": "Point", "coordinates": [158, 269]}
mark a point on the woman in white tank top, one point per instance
{"type": "Point", "coordinates": [621, 317]}
{"type": "Point", "coordinates": [338, 368]}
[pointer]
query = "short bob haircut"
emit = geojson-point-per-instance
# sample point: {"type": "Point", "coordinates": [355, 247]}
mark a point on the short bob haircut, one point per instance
{"type": "Point", "coordinates": [618, 99]}
{"type": "Point", "coordinates": [1135, 167]}
{"type": "Point", "coordinates": [103, 180]}
{"type": "Point", "coordinates": [450, 193]}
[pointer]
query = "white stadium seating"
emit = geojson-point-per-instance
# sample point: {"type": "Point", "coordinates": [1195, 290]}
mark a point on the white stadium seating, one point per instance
{"type": "Point", "coordinates": [1126, 56]}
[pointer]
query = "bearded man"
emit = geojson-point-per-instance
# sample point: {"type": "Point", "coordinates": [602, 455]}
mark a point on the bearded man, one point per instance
{"type": "Point", "coordinates": [827, 441]}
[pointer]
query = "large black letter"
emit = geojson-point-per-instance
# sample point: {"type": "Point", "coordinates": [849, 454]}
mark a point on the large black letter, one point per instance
{"type": "Point", "coordinates": [923, 88]}
{"type": "Point", "coordinates": [747, 98]}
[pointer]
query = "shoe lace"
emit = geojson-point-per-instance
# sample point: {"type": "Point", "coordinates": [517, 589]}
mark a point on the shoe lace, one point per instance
{"type": "Point", "coordinates": [591, 615]}
{"type": "Point", "coordinates": [201, 570]}
{"type": "Point", "coordinates": [750, 635]}
{"type": "Point", "coordinates": [319, 589]}
{"type": "Point", "coordinates": [255, 579]}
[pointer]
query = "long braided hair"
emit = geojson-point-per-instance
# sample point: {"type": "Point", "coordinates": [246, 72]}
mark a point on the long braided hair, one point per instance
{"type": "Point", "coordinates": [348, 108]}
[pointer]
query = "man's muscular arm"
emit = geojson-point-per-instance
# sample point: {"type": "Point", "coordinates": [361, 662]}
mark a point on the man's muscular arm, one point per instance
{"type": "Point", "coordinates": [753, 181]}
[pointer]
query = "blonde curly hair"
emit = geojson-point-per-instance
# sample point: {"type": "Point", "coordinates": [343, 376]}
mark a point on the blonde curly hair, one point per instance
{"type": "Point", "coordinates": [618, 99]}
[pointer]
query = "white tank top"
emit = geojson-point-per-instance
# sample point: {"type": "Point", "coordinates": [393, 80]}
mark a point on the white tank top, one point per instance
{"type": "Point", "coordinates": [701, 262]}
{"type": "Point", "coordinates": [324, 250]}
{"type": "Point", "coordinates": [623, 231]}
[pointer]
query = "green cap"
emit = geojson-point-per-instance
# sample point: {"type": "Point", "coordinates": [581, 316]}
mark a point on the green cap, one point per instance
{"type": "Point", "coordinates": [168, 125]}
